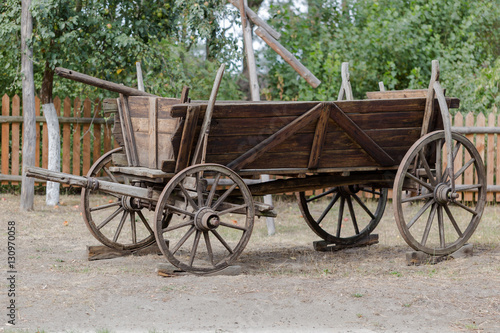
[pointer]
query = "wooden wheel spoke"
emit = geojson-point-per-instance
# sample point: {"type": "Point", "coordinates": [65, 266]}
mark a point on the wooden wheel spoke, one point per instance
{"type": "Point", "coordinates": [110, 175]}
{"type": "Point", "coordinates": [212, 190]}
{"type": "Point", "coordinates": [453, 221]}
{"type": "Point", "coordinates": [455, 153]}
{"type": "Point", "coordinates": [371, 191]}
{"type": "Point", "coordinates": [223, 242]}
{"type": "Point", "coordinates": [427, 168]}
{"type": "Point", "coordinates": [195, 247]}
{"type": "Point", "coordinates": [146, 224]}
{"type": "Point", "coordinates": [199, 189]}
{"type": "Point", "coordinates": [462, 169]}
{"type": "Point", "coordinates": [322, 194]}
{"type": "Point", "coordinates": [178, 226]}
{"type": "Point", "coordinates": [429, 224]}
{"type": "Point", "coordinates": [421, 182]}
{"type": "Point", "coordinates": [340, 216]}
{"type": "Point", "coordinates": [420, 212]}
{"type": "Point", "coordinates": [353, 215]}
{"type": "Point", "coordinates": [361, 203]}
{"type": "Point", "coordinates": [224, 196]}
{"type": "Point", "coordinates": [439, 166]}
{"type": "Point", "coordinates": [233, 226]}
{"type": "Point", "coordinates": [442, 241]}
{"type": "Point", "coordinates": [178, 210]}
{"type": "Point", "coordinates": [417, 197]}
{"type": "Point", "coordinates": [232, 209]}
{"type": "Point", "coordinates": [188, 197]}
{"type": "Point", "coordinates": [183, 239]}
{"type": "Point", "coordinates": [209, 247]}
{"type": "Point", "coordinates": [327, 209]}
{"type": "Point", "coordinates": [109, 218]}
{"type": "Point", "coordinates": [133, 227]}
{"type": "Point", "coordinates": [470, 210]}
{"type": "Point", "coordinates": [120, 226]}
{"type": "Point", "coordinates": [93, 209]}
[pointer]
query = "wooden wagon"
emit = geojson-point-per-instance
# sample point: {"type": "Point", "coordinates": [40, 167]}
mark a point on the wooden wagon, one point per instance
{"type": "Point", "coordinates": [185, 174]}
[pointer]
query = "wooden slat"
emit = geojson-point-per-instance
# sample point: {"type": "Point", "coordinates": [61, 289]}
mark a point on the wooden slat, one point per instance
{"type": "Point", "coordinates": [16, 103]}
{"type": "Point", "coordinates": [87, 112]}
{"type": "Point", "coordinates": [319, 138]}
{"type": "Point", "coordinates": [187, 139]}
{"type": "Point", "coordinates": [468, 175]}
{"type": "Point", "coordinates": [37, 127]}
{"type": "Point", "coordinates": [490, 160]}
{"type": "Point", "coordinates": [45, 145]}
{"type": "Point", "coordinates": [498, 162]}
{"type": "Point", "coordinates": [458, 122]}
{"type": "Point", "coordinates": [480, 140]}
{"type": "Point", "coordinates": [66, 134]}
{"type": "Point", "coordinates": [409, 93]}
{"type": "Point", "coordinates": [359, 136]}
{"type": "Point", "coordinates": [5, 137]}
{"type": "Point", "coordinates": [153, 134]}
{"type": "Point", "coordinates": [97, 132]}
{"type": "Point", "coordinates": [76, 138]}
{"type": "Point", "coordinates": [277, 138]}
{"type": "Point", "coordinates": [185, 94]}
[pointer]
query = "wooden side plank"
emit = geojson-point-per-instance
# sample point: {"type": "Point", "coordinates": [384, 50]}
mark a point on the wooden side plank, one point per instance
{"type": "Point", "coordinates": [359, 136]}
{"type": "Point", "coordinates": [187, 139]}
{"type": "Point", "coordinates": [408, 93]}
{"type": "Point", "coordinates": [277, 138]}
{"type": "Point", "coordinates": [319, 138]}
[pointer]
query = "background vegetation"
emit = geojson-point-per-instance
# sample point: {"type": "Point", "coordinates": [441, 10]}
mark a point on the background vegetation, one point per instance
{"type": "Point", "coordinates": [182, 43]}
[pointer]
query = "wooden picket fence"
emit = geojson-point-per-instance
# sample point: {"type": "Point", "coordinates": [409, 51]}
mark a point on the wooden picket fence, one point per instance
{"type": "Point", "coordinates": [85, 136]}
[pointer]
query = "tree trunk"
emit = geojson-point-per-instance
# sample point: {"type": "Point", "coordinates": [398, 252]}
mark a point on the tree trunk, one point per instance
{"type": "Point", "coordinates": [47, 85]}
{"type": "Point", "coordinates": [29, 139]}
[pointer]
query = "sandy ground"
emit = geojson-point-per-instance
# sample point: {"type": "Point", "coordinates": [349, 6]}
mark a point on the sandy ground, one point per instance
{"type": "Point", "coordinates": [284, 286]}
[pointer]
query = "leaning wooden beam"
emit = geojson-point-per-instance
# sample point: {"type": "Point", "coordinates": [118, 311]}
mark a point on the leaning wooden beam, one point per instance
{"type": "Point", "coordinates": [256, 19]}
{"type": "Point", "coordinates": [429, 105]}
{"type": "Point", "coordinates": [319, 138]}
{"type": "Point", "coordinates": [277, 138]}
{"type": "Point", "coordinates": [288, 57]}
{"type": "Point", "coordinates": [187, 138]}
{"type": "Point", "coordinates": [128, 132]}
{"type": "Point", "coordinates": [359, 136]}
{"type": "Point", "coordinates": [87, 79]}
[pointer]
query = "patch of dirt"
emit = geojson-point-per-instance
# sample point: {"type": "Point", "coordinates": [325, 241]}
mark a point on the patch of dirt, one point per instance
{"type": "Point", "coordinates": [285, 285]}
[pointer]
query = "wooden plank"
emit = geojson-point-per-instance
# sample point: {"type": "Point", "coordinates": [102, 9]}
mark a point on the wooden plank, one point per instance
{"type": "Point", "coordinates": [87, 111]}
{"type": "Point", "coordinates": [76, 138]}
{"type": "Point", "coordinates": [16, 103]}
{"type": "Point", "coordinates": [458, 122]}
{"type": "Point", "coordinates": [468, 174]}
{"type": "Point", "coordinates": [359, 136]}
{"type": "Point", "coordinates": [5, 137]}
{"type": "Point", "coordinates": [498, 162]}
{"type": "Point", "coordinates": [239, 109]}
{"type": "Point", "coordinates": [129, 132]}
{"type": "Point", "coordinates": [480, 140]}
{"type": "Point", "coordinates": [319, 138]}
{"type": "Point", "coordinates": [37, 129]}
{"type": "Point", "coordinates": [109, 106]}
{"type": "Point", "coordinates": [66, 158]}
{"type": "Point", "coordinates": [153, 134]}
{"type": "Point", "coordinates": [430, 103]}
{"type": "Point", "coordinates": [168, 126]}
{"type": "Point", "coordinates": [277, 138]}
{"type": "Point", "coordinates": [97, 132]}
{"type": "Point", "coordinates": [140, 171]}
{"type": "Point", "coordinates": [408, 93]}
{"type": "Point", "coordinates": [490, 160]}
{"type": "Point", "coordinates": [185, 94]}
{"type": "Point", "coordinates": [187, 139]}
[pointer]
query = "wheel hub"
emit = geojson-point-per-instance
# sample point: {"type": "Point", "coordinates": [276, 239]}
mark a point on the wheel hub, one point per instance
{"type": "Point", "coordinates": [130, 204]}
{"type": "Point", "coordinates": [349, 190]}
{"type": "Point", "coordinates": [206, 219]}
{"type": "Point", "coordinates": [443, 194]}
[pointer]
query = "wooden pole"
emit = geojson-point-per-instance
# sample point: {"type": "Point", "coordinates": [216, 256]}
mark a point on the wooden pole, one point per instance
{"type": "Point", "coordinates": [288, 57]}
{"type": "Point", "coordinates": [29, 139]}
{"type": "Point", "coordinates": [140, 80]}
{"type": "Point", "coordinates": [54, 164]}
{"type": "Point", "coordinates": [256, 19]}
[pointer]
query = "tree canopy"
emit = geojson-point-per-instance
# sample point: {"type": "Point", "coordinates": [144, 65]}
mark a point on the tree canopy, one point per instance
{"type": "Point", "coordinates": [182, 43]}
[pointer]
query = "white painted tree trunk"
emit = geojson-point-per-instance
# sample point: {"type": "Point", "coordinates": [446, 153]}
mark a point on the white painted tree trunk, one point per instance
{"type": "Point", "coordinates": [29, 138]}
{"type": "Point", "coordinates": [54, 164]}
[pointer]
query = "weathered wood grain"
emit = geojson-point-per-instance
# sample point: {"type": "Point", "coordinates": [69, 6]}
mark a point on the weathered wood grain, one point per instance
{"type": "Point", "coordinates": [188, 137]}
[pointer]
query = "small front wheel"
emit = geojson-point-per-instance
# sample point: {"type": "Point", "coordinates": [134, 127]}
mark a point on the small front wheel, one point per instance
{"type": "Point", "coordinates": [210, 224]}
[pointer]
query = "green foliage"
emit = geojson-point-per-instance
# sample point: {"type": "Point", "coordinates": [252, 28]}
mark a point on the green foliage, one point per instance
{"type": "Point", "coordinates": [391, 41]}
